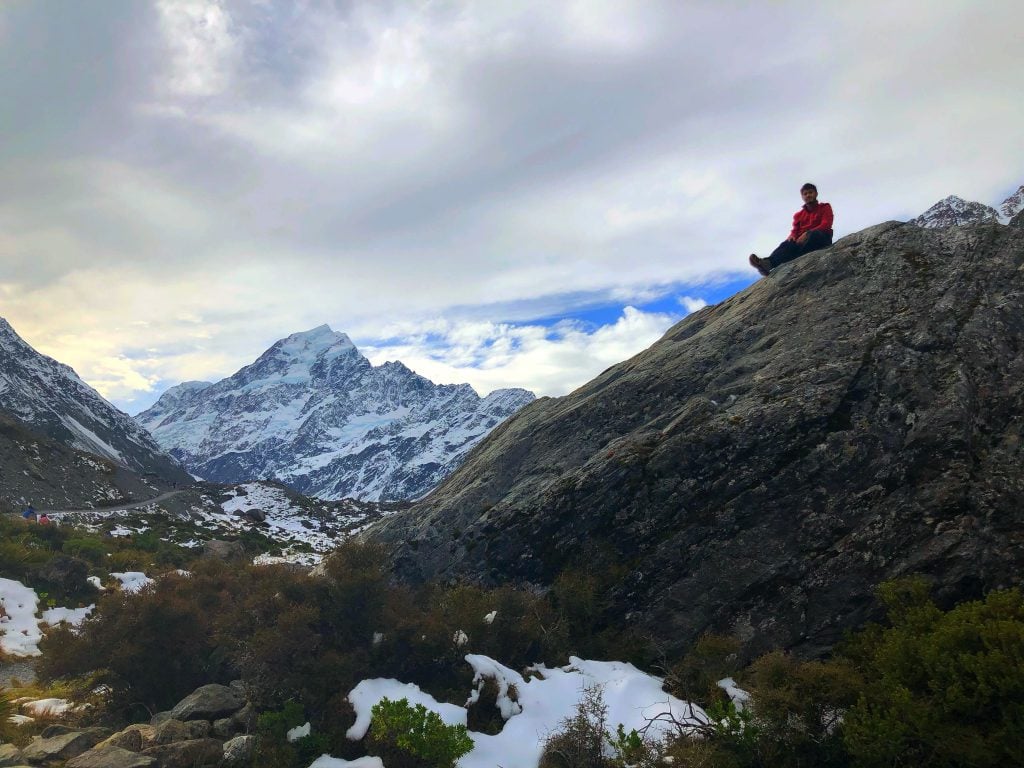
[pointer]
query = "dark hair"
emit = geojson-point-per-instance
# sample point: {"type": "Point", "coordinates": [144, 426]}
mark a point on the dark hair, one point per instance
{"type": "Point", "coordinates": [808, 185]}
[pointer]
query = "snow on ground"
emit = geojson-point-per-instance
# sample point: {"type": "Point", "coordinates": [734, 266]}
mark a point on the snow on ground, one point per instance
{"type": "Point", "coordinates": [132, 581]}
{"type": "Point", "coordinates": [73, 616]}
{"type": "Point", "coordinates": [47, 707]}
{"type": "Point", "coordinates": [284, 523]}
{"type": "Point", "coordinates": [324, 761]}
{"type": "Point", "coordinates": [534, 708]}
{"type": "Point", "coordinates": [21, 633]}
{"type": "Point", "coordinates": [19, 628]}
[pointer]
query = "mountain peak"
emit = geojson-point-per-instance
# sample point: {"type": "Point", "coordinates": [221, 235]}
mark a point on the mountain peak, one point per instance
{"type": "Point", "coordinates": [315, 341]}
{"type": "Point", "coordinates": [313, 412]}
{"type": "Point", "coordinates": [1012, 205]}
{"type": "Point", "coordinates": [953, 211]}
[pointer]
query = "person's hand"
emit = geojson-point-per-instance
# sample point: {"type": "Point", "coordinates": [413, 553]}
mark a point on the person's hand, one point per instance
{"type": "Point", "coordinates": [803, 238]}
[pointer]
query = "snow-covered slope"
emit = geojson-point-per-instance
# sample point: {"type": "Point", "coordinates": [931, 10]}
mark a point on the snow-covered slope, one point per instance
{"type": "Point", "coordinates": [49, 398]}
{"type": "Point", "coordinates": [955, 211]}
{"type": "Point", "coordinates": [1012, 205]}
{"type": "Point", "coordinates": [312, 412]}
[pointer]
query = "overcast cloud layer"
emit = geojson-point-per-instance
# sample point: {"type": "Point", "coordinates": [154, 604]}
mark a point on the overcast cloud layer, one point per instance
{"type": "Point", "coordinates": [187, 181]}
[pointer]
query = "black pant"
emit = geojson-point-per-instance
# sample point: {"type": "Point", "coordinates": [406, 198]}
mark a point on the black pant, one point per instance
{"type": "Point", "coordinates": [790, 249]}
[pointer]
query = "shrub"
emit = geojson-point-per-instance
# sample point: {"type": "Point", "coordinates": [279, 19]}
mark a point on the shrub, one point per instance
{"type": "Point", "coordinates": [414, 736]}
{"type": "Point", "coordinates": [581, 741]}
{"type": "Point", "coordinates": [273, 750]}
{"type": "Point", "coordinates": [86, 548]}
{"type": "Point", "coordinates": [943, 689]}
{"type": "Point", "coordinates": [695, 678]}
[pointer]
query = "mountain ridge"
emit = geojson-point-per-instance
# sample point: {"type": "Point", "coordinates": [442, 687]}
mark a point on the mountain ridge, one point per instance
{"type": "Point", "coordinates": [48, 397]}
{"type": "Point", "coordinates": [955, 211]}
{"type": "Point", "coordinates": [312, 412]}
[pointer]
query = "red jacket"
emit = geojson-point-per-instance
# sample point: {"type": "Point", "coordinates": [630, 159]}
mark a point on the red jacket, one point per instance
{"type": "Point", "coordinates": [806, 219]}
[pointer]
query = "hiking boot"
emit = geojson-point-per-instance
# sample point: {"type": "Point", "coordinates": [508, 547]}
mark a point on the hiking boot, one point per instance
{"type": "Point", "coordinates": [764, 266]}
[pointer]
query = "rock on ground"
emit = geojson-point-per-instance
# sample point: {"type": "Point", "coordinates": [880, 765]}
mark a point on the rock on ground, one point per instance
{"type": "Point", "coordinates": [210, 702]}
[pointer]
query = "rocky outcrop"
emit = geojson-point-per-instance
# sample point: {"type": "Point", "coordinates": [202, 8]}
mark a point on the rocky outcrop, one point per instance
{"type": "Point", "coordinates": [210, 702]}
{"type": "Point", "coordinates": [239, 750]}
{"type": "Point", "coordinates": [180, 738]}
{"type": "Point", "coordinates": [10, 755]}
{"type": "Point", "coordinates": [194, 753]}
{"type": "Point", "coordinates": [855, 417]}
{"type": "Point", "coordinates": [48, 749]}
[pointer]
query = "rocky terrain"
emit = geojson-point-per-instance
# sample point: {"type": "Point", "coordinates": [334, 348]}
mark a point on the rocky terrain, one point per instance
{"type": "Point", "coordinates": [212, 726]}
{"type": "Point", "coordinates": [285, 524]}
{"type": "Point", "coordinates": [45, 472]}
{"type": "Point", "coordinates": [313, 412]}
{"type": "Point", "coordinates": [855, 417]}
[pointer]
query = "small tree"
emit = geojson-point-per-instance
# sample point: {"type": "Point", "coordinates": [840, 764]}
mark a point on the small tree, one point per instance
{"type": "Point", "coordinates": [415, 736]}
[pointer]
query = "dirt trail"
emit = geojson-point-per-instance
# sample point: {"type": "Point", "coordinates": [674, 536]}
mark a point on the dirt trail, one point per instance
{"type": "Point", "coordinates": [120, 508]}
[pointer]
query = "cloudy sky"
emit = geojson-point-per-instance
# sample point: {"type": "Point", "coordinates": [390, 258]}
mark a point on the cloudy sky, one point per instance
{"type": "Point", "coordinates": [504, 192]}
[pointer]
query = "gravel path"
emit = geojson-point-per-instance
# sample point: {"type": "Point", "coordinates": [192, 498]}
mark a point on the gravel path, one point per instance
{"type": "Point", "coordinates": [121, 508]}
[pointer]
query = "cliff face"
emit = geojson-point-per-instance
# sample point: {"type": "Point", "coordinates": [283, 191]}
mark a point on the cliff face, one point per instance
{"type": "Point", "coordinates": [855, 417]}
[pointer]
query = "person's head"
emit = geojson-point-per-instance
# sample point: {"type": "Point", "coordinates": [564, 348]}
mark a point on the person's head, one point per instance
{"type": "Point", "coordinates": [809, 193]}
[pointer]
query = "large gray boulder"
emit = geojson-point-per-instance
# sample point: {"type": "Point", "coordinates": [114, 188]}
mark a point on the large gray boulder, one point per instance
{"type": "Point", "coordinates": [57, 749]}
{"type": "Point", "coordinates": [133, 738]}
{"type": "Point", "coordinates": [178, 730]}
{"type": "Point", "coordinates": [854, 417]}
{"type": "Point", "coordinates": [210, 702]}
{"type": "Point", "coordinates": [111, 757]}
{"type": "Point", "coordinates": [215, 549]}
{"type": "Point", "coordinates": [197, 753]}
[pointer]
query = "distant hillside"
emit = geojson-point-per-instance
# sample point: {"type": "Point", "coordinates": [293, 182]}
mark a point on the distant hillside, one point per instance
{"type": "Point", "coordinates": [852, 418]}
{"type": "Point", "coordinates": [45, 472]}
{"type": "Point", "coordinates": [48, 398]}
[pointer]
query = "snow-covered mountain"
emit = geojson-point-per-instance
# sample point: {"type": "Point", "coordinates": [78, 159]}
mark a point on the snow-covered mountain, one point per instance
{"type": "Point", "coordinates": [50, 399]}
{"type": "Point", "coordinates": [313, 413]}
{"type": "Point", "coordinates": [1012, 205]}
{"type": "Point", "coordinates": [955, 211]}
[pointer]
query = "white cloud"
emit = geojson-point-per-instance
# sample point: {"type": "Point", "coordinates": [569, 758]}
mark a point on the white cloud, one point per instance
{"type": "Point", "coordinates": [204, 52]}
{"type": "Point", "coordinates": [546, 360]}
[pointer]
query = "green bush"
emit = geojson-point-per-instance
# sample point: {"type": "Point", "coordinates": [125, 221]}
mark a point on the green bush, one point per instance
{"type": "Point", "coordinates": [273, 750]}
{"type": "Point", "coordinates": [415, 736]}
{"type": "Point", "coordinates": [87, 548]}
{"type": "Point", "coordinates": [943, 688]}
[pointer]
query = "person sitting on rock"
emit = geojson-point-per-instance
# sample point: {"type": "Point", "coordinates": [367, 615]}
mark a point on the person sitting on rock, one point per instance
{"type": "Point", "coordinates": [812, 231]}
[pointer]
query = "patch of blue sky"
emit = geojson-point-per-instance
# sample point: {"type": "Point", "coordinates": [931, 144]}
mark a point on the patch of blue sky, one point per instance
{"type": "Point", "coordinates": [675, 300]}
